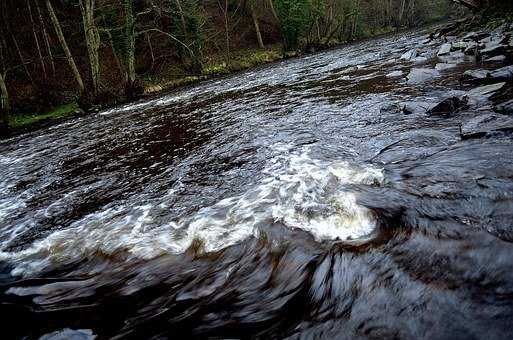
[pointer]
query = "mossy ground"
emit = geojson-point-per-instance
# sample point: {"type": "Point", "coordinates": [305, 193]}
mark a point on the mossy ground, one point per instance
{"type": "Point", "coordinates": [24, 120]}
{"type": "Point", "coordinates": [215, 66]}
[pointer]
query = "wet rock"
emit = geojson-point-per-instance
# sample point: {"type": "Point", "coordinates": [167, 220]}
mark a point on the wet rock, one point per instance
{"type": "Point", "coordinates": [420, 60]}
{"type": "Point", "coordinates": [499, 58]}
{"type": "Point", "coordinates": [410, 55]}
{"type": "Point", "coordinates": [472, 48]}
{"type": "Point", "coordinates": [505, 108]}
{"type": "Point", "coordinates": [493, 49]}
{"type": "Point", "coordinates": [444, 66]}
{"type": "Point", "coordinates": [445, 49]}
{"type": "Point", "coordinates": [420, 75]}
{"type": "Point", "coordinates": [395, 74]}
{"type": "Point", "coordinates": [460, 45]}
{"type": "Point", "coordinates": [453, 58]}
{"type": "Point", "coordinates": [79, 112]}
{"type": "Point", "coordinates": [503, 74]}
{"type": "Point", "coordinates": [416, 107]}
{"type": "Point", "coordinates": [487, 91]}
{"type": "Point", "coordinates": [70, 334]}
{"type": "Point", "coordinates": [485, 124]}
{"type": "Point", "coordinates": [475, 76]}
{"type": "Point", "coordinates": [391, 108]}
{"type": "Point", "coordinates": [448, 106]}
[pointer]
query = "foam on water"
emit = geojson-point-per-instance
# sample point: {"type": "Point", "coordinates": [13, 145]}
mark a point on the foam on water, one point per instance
{"type": "Point", "coordinates": [297, 191]}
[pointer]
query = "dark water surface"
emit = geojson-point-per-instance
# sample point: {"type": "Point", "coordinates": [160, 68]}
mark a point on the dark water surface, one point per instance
{"type": "Point", "coordinates": [278, 203]}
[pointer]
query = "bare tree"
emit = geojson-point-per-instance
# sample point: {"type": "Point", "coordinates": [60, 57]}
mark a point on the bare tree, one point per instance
{"type": "Point", "coordinates": [64, 46]}
{"type": "Point", "coordinates": [92, 37]}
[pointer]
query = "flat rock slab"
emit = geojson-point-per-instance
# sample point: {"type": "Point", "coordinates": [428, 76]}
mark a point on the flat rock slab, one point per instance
{"type": "Point", "coordinates": [445, 49]}
{"type": "Point", "coordinates": [497, 59]}
{"type": "Point", "coordinates": [503, 74]}
{"type": "Point", "coordinates": [444, 66]}
{"type": "Point", "coordinates": [488, 123]}
{"type": "Point", "coordinates": [475, 76]}
{"type": "Point", "coordinates": [395, 74]}
{"type": "Point", "coordinates": [421, 75]}
{"type": "Point", "coordinates": [410, 55]}
{"type": "Point", "coordinates": [487, 91]}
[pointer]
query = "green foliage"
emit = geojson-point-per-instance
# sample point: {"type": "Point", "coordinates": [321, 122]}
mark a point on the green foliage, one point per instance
{"type": "Point", "coordinates": [19, 121]}
{"type": "Point", "coordinates": [296, 17]}
{"type": "Point", "coordinates": [187, 26]}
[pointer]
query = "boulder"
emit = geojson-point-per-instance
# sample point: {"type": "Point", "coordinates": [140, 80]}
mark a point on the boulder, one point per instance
{"type": "Point", "coordinates": [448, 106]}
{"type": "Point", "coordinates": [444, 66]}
{"type": "Point", "coordinates": [411, 54]}
{"type": "Point", "coordinates": [395, 74]}
{"type": "Point", "coordinates": [445, 49]}
{"type": "Point", "coordinates": [505, 108]}
{"type": "Point", "coordinates": [485, 124]}
{"type": "Point", "coordinates": [420, 75]}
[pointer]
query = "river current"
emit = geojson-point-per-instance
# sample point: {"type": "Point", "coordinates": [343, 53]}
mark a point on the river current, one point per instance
{"type": "Point", "coordinates": [282, 202]}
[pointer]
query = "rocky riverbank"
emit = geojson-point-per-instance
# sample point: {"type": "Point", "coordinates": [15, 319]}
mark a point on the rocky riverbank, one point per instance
{"type": "Point", "coordinates": [484, 99]}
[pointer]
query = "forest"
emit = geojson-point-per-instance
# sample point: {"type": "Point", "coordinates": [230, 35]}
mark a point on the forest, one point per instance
{"type": "Point", "coordinates": [59, 55]}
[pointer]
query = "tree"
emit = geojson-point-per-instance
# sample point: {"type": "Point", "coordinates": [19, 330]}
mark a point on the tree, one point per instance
{"type": "Point", "coordinates": [64, 46]}
{"type": "Point", "coordinates": [252, 9]}
{"type": "Point", "coordinates": [92, 38]}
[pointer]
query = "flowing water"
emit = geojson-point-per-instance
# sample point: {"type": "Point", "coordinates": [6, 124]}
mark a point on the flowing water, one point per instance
{"type": "Point", "coordinates": [282, 202]}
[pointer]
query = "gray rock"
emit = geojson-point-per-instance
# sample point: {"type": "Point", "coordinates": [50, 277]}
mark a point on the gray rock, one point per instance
{"type": "Point", "coordinates": [420, 75]}
{"type": "Point", "coordinates": [487, 91]}
{"type": "Point", "coordinates": [420, 60]}
{"type": "Point", "coordinates": [79, 112]}
{"type": "Point", "coordinates": [453, 58]}
{"type": "Point", "coordinates": [476, 76]}
{"type": "Point", "coordinates": [493, 49]}
{"type": "Point", "coordinates": [460, 45]}
{"type": "Point", "coordinates": [505, 108]}
{"type": "Point", "coordinates": [488, 123]}
{"type": "Point", "coordinates": [410, 55]}
{"type": "Point", "coordinates": [448, 106]}
{"type": "Point", "coordinates": [391, 108]}
{"type": "Point", "coordinates": [395, 74]}
{"type": "Point", "coordinates": [444, 66]}
{"type": "Point", "coordinates": [472, 48]}
{"type": "Point", "coordinates": [498, 59]}
{"type": "Point", "coordinates": [503, 74]}
{"type": "Point", "coordinates": [70, 334]}
{"type": "Point", "coordinates": [445, 49]}
{"type": "Point", "coordinates": [416, 107]}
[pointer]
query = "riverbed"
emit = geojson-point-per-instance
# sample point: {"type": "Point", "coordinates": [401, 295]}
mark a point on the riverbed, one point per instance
{"type": "Point", "coordinates": [289, 201]}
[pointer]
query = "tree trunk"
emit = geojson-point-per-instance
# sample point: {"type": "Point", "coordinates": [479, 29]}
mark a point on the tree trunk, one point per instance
{"type": "Point", "coordinates": [257, 28]}
{"type": "Point", "coordinates": [64, 45]}
{"type": "Point", "coordinates": [129, 61]}
{"type": "Point", "coordinates": [92, 37]}
{"type": "Point", "coordinates": [5, 106]}
{"type": "Point", "coordinates": [36, 40]}
{"type": "Point", "coordinates": [401, 12]}
{"type": "Point", "coordinates": [45, 36]}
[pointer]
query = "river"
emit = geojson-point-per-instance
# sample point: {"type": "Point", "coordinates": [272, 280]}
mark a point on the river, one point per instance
{"type": "Point", "coordinates": [282, 202]}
